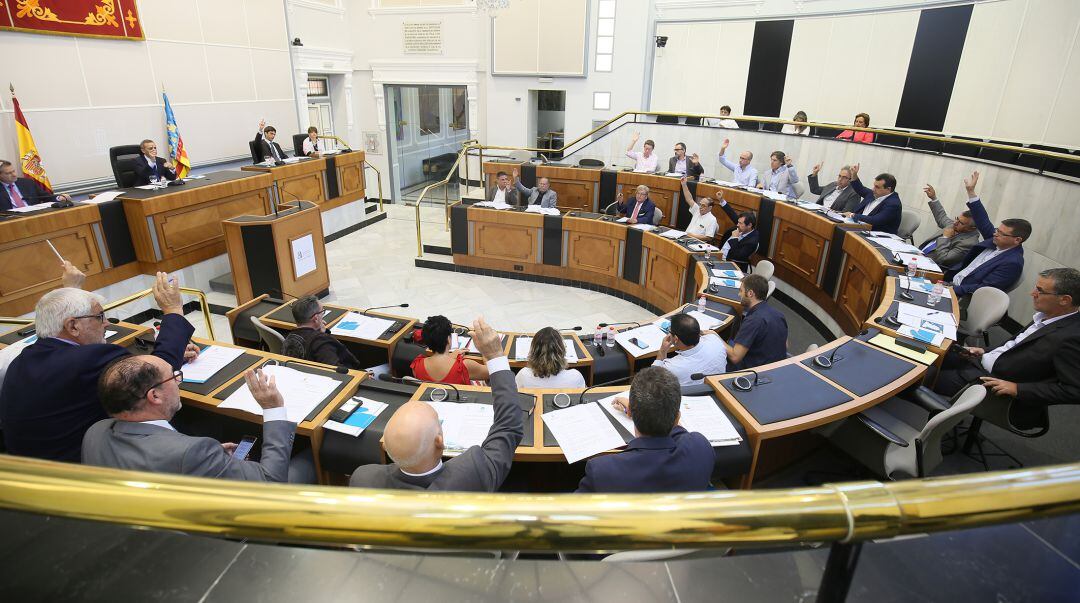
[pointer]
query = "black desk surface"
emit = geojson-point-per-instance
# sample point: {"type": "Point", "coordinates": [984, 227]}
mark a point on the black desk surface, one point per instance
{"type": "Point", "coordinates": [343, 453]}
{"type": "Point", "coordinates": [284, 314]}
{"type": "Point", "coordinates": [342, 379]}
{"type": "Point", "coordinates": [920, 298]}
{"type": "Point", "coordinates": [210, 179]}
{"type": "Point", "coordinates": [240, 364]}
{"type": "Point", "coordinates": [861, 368]}
{"type": "Point", "coordinates": [13, 335]}
{"type": "Point", "coordinates": [793, 392]}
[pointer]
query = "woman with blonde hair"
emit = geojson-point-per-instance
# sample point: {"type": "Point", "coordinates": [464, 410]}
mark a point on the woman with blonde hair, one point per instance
{"type": "Point", "coordinates": [547, 363]}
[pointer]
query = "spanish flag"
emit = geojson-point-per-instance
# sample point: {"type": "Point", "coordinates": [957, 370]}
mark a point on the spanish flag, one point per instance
{"type": "Point", "coordinates": [176, 144]}
{"type": "Point", "coordinates": [29, 159]}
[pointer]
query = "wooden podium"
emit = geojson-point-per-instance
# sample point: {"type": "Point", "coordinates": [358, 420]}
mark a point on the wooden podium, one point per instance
{"type": "Point", "coordinates": [278, 254]}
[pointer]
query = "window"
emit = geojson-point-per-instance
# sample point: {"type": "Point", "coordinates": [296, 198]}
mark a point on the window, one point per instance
{"type": "Point", "coordinates": [461, 107]}
{"type": "Point", "coordinates": [317, 86]}
{"type": "Point", "coordinates": [601, 101]}
{"type": "Point", "coordinates": [605, 36]}
{"type": "Point", "coordinates": [429, 111]}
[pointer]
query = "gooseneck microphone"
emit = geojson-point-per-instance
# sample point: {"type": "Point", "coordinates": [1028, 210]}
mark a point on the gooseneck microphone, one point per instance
{"type": "Point", "coordinates": [581, 396]}
{"type": "Point", "coordinates": [577, 328]}
{"type": "Point", "coordinates": [364, 312]}
{"type": "Point", "coordinates": [407, 380]}
{"type": "Point", "coordinates": [613, 204]}
{"type": "Point", "coordinates": [616, 324]}
{"type": "Point", "coordinates": [743, 383]}
{"type": "Point", "coordinates": [827, 362]}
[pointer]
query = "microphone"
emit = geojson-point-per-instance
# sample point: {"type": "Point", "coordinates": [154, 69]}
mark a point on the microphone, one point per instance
{"type": "Point", "coordinates": [826, 362]}
{"type": "Point", "coordinates": [577, 328]}
{"type": "Point", "coordinates": [364, 312]}
{"type": "Point", "coordinates": [581, 396]}
{"type": "Point", "coordinates": [613, 203]}
{"type": "Point", "coordinates": [615, 324]}
{"type": "Point", "coordinates": [743, 383]}
{"type": "Point", "coordinates": [407, 380]}
{"type": "Point", "coordinates": [299, 201]}
{"type": "Point", "coordinates": [891, 319]}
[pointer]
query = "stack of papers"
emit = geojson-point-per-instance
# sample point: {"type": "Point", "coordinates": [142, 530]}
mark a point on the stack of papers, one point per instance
{"type": "Point", "coordinates": [547, 211]}
{"type": "Point", "coordinates": [671, 233]}
{"type": "Point", "coordinates": [724, 282]}
{"type": "Point", "coordinates": [211, 359]}
{"type": "Point", "coordinates": [727, 273]}
{"type": "Point", "coordinates": [104, 197]}
{"type": "Point", "coordinates": [623, 220]}
{"type": "Point", "coordinates": [809, 205]}
{"type": "Point", "coordinates": [707, 322]}
{"type": "Point", "coordinates": [924, 285]}
{"type": "Point", "coordinates": [896, 246]}
{"type": "Point", "coordinates": [835, 215]}
{"type": "Point", "coordinates": [302, 392]}
{"type": "Point", "coordinates": [701, 414]}
{"type": "Point", "coordinates": [523, 342]}
{"type": "Point", "coordinates": [649, 337]}
{"type": "Point", "coordinates": [921, 261]}
{"type": "Point", "coordinates": [923, 335]}
{"type": "Point", "coordinates": [927, 319]}
{"type": "Point", "coordinates": [357, 325]}
{"type": "Point", "coordinates": [30, 208]}
{"type": "Point", "coordinates": [775, 196]}
{"type": "Point", "coordinates": [464, 424]}
{"type": "Point", "coordinates": [360, 419]}
{"type": "Point", "coordinates": [703, 247]}
{"type": "Point", "coordinates": [645, 227]}
{"type": "Point", "coordinates": [877, 234]}
{"type": "Point", "coordinates": [729, 184]}
{"type": "Point", "coordinates": [492, 204]}
{"type": "Point", "coordinates": [582, 431]}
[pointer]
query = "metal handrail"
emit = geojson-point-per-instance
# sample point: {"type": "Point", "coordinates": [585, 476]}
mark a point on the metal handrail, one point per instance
{"type": "Point", "coordinates": [204, 305]}
{"type": "Point", "coordinates": [844, 513]}
{"type": "Point", "coordinates": [11, 320]}
{"type": "Point", "coordinates": [446, 199]}
{"type": "Point", "coordinates": [378, 176]}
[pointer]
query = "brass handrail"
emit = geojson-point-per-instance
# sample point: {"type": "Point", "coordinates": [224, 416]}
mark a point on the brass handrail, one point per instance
{"type": "Point", "coordinates": [10, 320]}
{"type": "Point", "coordinates": [203, 304]}
{"type": "Point", "coordinates": [446, 199]}
{"type": "Point", "coordinates": [848, 512]}
{"type": "Point", "coordinates": [378, 176]}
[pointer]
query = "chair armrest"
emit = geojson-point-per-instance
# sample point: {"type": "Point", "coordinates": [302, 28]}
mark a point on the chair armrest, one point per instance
{"type": "Point", "coordinates": [927, 399]}
{"type": "Point", "coordinates": [880, 430]}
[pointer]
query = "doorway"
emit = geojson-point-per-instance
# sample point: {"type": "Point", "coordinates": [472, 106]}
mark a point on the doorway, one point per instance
{"type": "Point", "coordinates": [549, 117]}
{"type": "Point", "coordinates": [425, 126]}
{"type": "Point", "coordinates": [320, 110]}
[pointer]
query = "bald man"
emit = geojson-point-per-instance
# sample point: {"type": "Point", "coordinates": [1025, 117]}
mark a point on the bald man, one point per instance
{"type": "Point", "coordinates": [414, 438]}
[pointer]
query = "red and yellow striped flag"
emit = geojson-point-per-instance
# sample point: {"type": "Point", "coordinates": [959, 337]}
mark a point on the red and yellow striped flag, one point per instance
{"type": "Point", "coordinates": [29, 158]}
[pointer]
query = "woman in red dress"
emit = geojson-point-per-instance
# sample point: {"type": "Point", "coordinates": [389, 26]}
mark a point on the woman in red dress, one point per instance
{"type": "Point", "coordinates": [444, 365]}
{"type": "Point", "coordinates": [862, 120]}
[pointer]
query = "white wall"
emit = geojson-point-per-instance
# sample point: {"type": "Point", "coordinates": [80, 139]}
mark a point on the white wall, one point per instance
{"type": "Point", "coordinates": [224, 63]}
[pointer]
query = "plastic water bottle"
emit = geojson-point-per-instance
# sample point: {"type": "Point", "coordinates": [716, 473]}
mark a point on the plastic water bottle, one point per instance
{"type": "Point", "coordinates": [598, 337]}
{"type": "Point", "coordinates": [935, 294]}
{"type": "Point", "coordinates": [701, 304]}
{"type": "Point", "coordinates": [609, 341]}
{"type": "Point", "coordinates": [912, 266]}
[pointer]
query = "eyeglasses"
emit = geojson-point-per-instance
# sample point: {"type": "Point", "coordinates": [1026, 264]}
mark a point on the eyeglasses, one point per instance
{"type": "Point", "coordinates": [1040, 292]}
{"type": "Point", "coordinates": [997, 231]}
{"type": "Point", "coordinates": [100, 316]}
{"type": "Point", "coordinates": [177, 376]}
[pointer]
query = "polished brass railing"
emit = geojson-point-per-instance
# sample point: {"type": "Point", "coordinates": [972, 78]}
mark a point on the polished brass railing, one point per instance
{"type": "Point", "coordinates": [849, 512]}
{"type": "Point", "coordinates": [445, 182]}
{"type": "Point", "coordinates": [378, 176]}
{"type": "Point", "coordinates": [203, 304]}
{"type": "Point", "coordinates": [11, 320]}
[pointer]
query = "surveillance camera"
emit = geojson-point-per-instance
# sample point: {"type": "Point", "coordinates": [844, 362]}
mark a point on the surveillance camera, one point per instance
{"type": "Point", "coordinates": [297, 42]}
{"type": "Point", "coordinates": [661, 41]}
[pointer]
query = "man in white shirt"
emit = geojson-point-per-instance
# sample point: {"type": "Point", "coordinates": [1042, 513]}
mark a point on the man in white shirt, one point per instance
{"type": "Point", "coordinates": [745, 174]}
{"type": "Point", "coordinates": [504, 192]}
{"type": "Point", "coordinates": [703, 223]}
{"type": "Point", "coordinates": [645, 161]}
{"type": "Point", "coordinates": [698, 352]}
{"type": "Point", "coordinates": [722, 122]}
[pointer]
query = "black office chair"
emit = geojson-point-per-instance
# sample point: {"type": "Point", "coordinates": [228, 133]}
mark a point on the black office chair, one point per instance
{"type": "Point", "coordinates": [999, 155]}
{"type": "Point", "coordinates": [256, 152]}
{"type": "Point", "coordinates": [587, 162]}
{"type": "Point", "coordinates": [693, 121]}
{"type": "Point", "coordinates": [667, 119]}
{"type": "Point", "coordinates": [122, 159]}
{"type": "Point", "coordinates": [298, 144]}
{"type": "Point", "coordinates": [964, 150]}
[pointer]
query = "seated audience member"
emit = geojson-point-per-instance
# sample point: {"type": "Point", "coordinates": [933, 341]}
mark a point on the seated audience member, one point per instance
{"type": "Point", "coordinates": [541, 194]}
{"type": "Point", "coordinates": [744, 238]}
{"type": "Point", "coordinates": [862, 120]}
{"type": "Point", "coordinates": [142, 394]}
{"type": "Point", "coordinates": [881, 207]}
{"type": "Point", "coordinates": [264, 141]}
{"type": "Point", "coordinates": [762, 337]}
{"type": "Point", "coordinates": [998, 260]}
{"type": "Point", "coordinates": [18, 192]}
{"type": "Point", "coordinates": [49, 398]}
{"type": "Point", "coordinates": [547, 363]}
{"type": "Point", "coordinates": [312, 147]}
{"type": "Point", "coordinates": [646, 160]}
{"type": "Point", "coordinates": [703, 223]}
{"type": "Point", "coordinates": [414, 439]}
{"type": "Point", "coordinates": [504, 191]}
{"type": "Point", "coordinates": [837, 195]}
{"type": "Point", "coordinates": [957, 237]}
{"type": "Point", "coordinates": [724, 121]}
{"type": "Point", "coordinates": [444, 366]}
{"type": "Point", "coordinates": [639, 211]}
{"type": "Point", "coordinates": [663, 456]}
{"type": "Point", "coordinates": [698, 352]}
{"type": "Point", "coordinates": [149, 167]}
{"type": "Point", "coordinates": [781, 176]}
{"type": "Point", "coordinates": [1040, 366]}
{"type": "Point", "coordinates": [310, 340]}
{"type": "Point", "coordinates": [744, 173]}
{"type": "Point", "coordinates": [801, 130]}
{"type": "Point", "coordinates": [689, 166]}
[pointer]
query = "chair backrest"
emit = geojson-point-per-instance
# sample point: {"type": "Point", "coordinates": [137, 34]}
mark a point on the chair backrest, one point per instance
{"type": "Point", "coordinates": [988, 306]}
{"type": "Point", "coordinates": [798, 189]}
{"type": "Point", "coordinates": [588, 162]}
{"type": "Point", "coordinates": [765, 268]}
{"type": "Point", "coordinates": [270, 337]}
{"type": "Point", "coordinates": [909, 223]}
{"type": "Point", "coordinates": [943, 422]}
{"type": "Point", "coordinates": [293, 346]}
{"type": "Point", "coordinates": [772, 287]}
{"type": "Point", "coordinates": [122, 158]}
{"type": "Point", "coordinates": [658, 216]}
{"type": "Point", "coordinates": [811, 347]}
{"type": "Point", "coordinates": [298, 144]}
{"type": "Point", "coordinates": [256, 153]}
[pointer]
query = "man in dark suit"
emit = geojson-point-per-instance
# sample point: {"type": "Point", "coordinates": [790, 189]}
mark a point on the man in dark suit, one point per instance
{"type": "Point", "coordinates": [997, 261]}
{"type": "Point", "coordinates": [149, 167]}
{"type": "Point", "coordinates": [310, 341]}
{"type": "Point", "coordinates": [49, 398]}
{"type": "Point", "coordinates": [663, 456]}
{"type": "Point", "coordinates": [837, 195]}
{"type": "Point", "coordinates": [743, 241]}
{"type": "Point", "coordinates": [142, 394]}
{"type": "Point", "coordinates": [504, 190]}
{"type": "Point", "coordinates": [880, 207]}
{"type": "Point", "coordinates": [639, 211]}
{"type": "Point", "coordinates": [689, 166]}
{"type": "Point", "coordinates": [21, 192]}
{"type": "Point", "coordinates": [414, 439]}
{"type": "Point", "coordinates": [264, 141]}
{"type": "Point", "coordinates": [1040, 366]}
{"type": "Point", "coordinates": [958, 235]}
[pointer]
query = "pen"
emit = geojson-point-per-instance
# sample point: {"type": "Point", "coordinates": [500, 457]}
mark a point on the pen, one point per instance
{"type": "Point", "coordinates": [60, 257]}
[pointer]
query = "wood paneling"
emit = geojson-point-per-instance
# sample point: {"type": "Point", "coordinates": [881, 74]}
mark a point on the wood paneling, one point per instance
{"type": "Point", "coordinates": [799, 250]}
{"type": "Point", "coordinates": [507, 242]}
{"type": "Point", "coordinates": [576, 187]}
{"type": "Point", "coordinates": [861, 278]}
{"type": "Point", "coordinates": [593, 252]}
{"type": "Point", "coordinates": [183, 230]}
{"type": "Point", "coordinates": [30, 267]}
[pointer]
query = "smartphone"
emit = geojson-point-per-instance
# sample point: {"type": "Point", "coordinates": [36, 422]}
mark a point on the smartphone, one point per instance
{"type": "Point", "coordinates": [638, 343]}
{"type": "Point", "coordinates": [244, 448]}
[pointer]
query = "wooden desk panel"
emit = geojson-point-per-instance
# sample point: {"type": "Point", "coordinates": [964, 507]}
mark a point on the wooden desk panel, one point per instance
{"type": "Point", "coordinates": [665, 272]}
{"type": "Point", "coordinates": [304, 179]}
{"type": "Point", "coordinates": [802, 242]}
{"type": "Point", "coordinates": [506, 235]}
{"type": "Point", "coordinates": [350, 176]}
{"type": "Point", "coordinates": [576, 187]}
{"type": "Point", "coordinates": [861, 279]}
{"type": "Point", "coordinates": [594, 247]}
{"type": "Point", "coordinates": [30, 267]}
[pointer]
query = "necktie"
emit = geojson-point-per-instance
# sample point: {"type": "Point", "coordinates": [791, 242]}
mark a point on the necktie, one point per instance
{"type": "Point", "coordinates": [273, 151]}
{"type": "Point", "coordinates": [15, 196]}
{"type": "Point", "coordinates": [637, 208]}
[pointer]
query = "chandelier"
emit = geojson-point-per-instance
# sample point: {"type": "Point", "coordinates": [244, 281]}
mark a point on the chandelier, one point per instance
{"type": "Point", "coordinates": [492, 5]}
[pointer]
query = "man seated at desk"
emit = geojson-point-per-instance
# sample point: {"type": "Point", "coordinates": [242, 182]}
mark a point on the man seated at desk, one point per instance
{"type": "Point", "coordinates": [310, 340]}
{"type": "Point", "coordinates": [641, 210]}
{"type": "Point", "coordinates": [762, 337]}
{"type": "Point", "coordinates": [744, 174]}
{"type": "Point", "coordinates": [880, 207]}
{"type": "Point", "coordinates": [645, 161]}
{"type": "Point", "coordinates": [698, 352]}
{"type": "Point", "coordinates": [957, 237]}
{"type": "Point", "coordinates": [663, 456]}
{"type": "Point", "coordinates": [837, 195]}
{"type": "Point", "coordinates": [18, 192]}
{"type": "Point", "coordinates": [264, 142]}
{"type": "Point", "coordinates": [744, 238]}
{"type": "Point", "coordinates": [414, 440]}
{"type": "Point", "coordinates": [504, 191]}
{"type": "Point", "coordinates": [142, 394]}
{"type": "Point", "coordinates": [781, 176]}
{"type": "Point", "coordinates": [150, 168]}
{"type": "Point", "coordinates": [682, 164]}
{"type": "Point", "coordinates": [703, 223]}
{"type": "Point", "coordinates": [541, 194]}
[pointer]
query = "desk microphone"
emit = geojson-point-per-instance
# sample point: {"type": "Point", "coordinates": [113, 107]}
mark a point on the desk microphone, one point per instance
{"type": "Point", "coordinates": [299, 201]}
{"type": "Point", "coordinates": [613, 203]}
{"type": "Point", "coordinates": [743, 383]}
{"type": "Point", "coordinates": [826, 362]}
{"type": "Point", "coordinates": [577, 328]}
{"type": "Point", "coordinates": [581, 396]}
{"type": "Point", "coordinates": [407, 380]}
{"type": "Point", "coordinates": [365, 312]}
{"type": "Point", "coordinates": [615, 324]}
{"type": "Point", "coordinates": [891, 319]}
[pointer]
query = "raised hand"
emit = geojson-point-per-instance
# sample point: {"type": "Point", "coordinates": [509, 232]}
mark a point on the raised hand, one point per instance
{"type": "Point", "coordinates": [724, 145]}
{"type": "Point", "coordinates": [969, 183]}
{"type": "Point", "coordinates": [930, 192]}
{"type": "Point", "coordinates": [516, 178]}
{"type": "Point", "coordinates": [817, 168]}
{"type": "Point", "coordinates": [855, 171]}
{"type": "Point", "coordinates": [263, 389]}
{"type": "Point", "coordinates": [787, 160]}
{"type": "Point", "coordinates": [637, 135]}
{"type": "Point", "coordinates": [262, 124]}
{"type": "Point", "coordinates": [694, 158]}
{"type": "Point", "coordinates": [167, 294]}
{"type": "Point", "coordinates": [487, 340]}
{"type": "Point", "coordinates": [72, 277]}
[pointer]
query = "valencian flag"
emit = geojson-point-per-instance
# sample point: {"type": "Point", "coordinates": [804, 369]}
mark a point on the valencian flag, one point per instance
{"type": "Point", "coordinates": [29, 159]}
{"type": "Point", "coordinates": [176, 144]}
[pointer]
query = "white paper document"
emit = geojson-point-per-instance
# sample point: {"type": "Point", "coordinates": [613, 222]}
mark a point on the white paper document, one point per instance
{"type": "Point", "coordinates": [293, 159]}
{"type": "Point", "coordinates": [927, 319]}
{"type": "Point", "coordinates": [707, 322]}
{"type": "Point", "coordinates": [582, 431]}
{"type": "Point", "coordinates": [648, 336]}
{"type": "Point", "coordinates": [701, 414]}
{"type": "Point", "coordinates": [361, 417]}
{"type": "Point", "coordinates": [211, 359]}
{"type": "Point", "coordinates": [671, 233]}
{"type": "Point", "coordinates": [703, 247]}
{"type": "Point", "coordinates": [547, 211]}
{"type": "Point", "coordinates": [523, 342]}
{"type": "Point", "coordinates": [623, 220]}
{"type": "Point", "coordinates": [104, 197]}
{"type": "Point", "coordinates": [301, 391]}
{"type": "Point", "coordinates": [464, 424]}
{"type": "Point", "coordinates": [809, 205]}
{"type": "Point", "coordinates": [877, 234]}
{"type": "Point", "coordinates": [775, 196]}
{"type": "Point", "coordinates": [727, 273]}
{"type": "Point", "coordinates": [724, 282]}
{"type": "Point", "coordinates": [921, 261]}
{"type": "Point", "coordinates": [924, 285]}
{"type": "Point", "coordinates": [897, 246]}
{"type": "Point", "coordinates": [923, 335]}
{"type": "Point", "coordinates": [835, 215]}
{"type": "Point", "coordinates": [303, 253]}
{"type": "Point", "coordinates": [357, 325]}
{"type": "Point", "coordinates": [645, 227]}
{"type": "Point", "coordinates": [608, 404]}
{"type": "Point", "coordinates": [30, 208]}
{"type": "Point", "coordinates": [492, 205]}
{"type": "Point", "coordinates": [464, 342]}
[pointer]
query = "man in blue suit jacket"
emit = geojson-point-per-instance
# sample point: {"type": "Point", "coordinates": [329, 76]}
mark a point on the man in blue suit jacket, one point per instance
{"type": "Point", "coordinates": [49, 398]}
{"type": "Point", "coordinates": [640, 209]}
{"type": "Point", "coordinates": [998, 261]}
{"type": "Point", "coordinates": [20, 192]}
{"type": "Point", "coordinates": [880, 207]}
{"type": "Point", "coordinates": [664, 457]}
